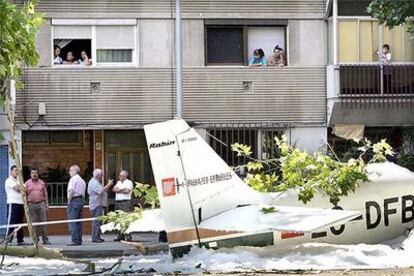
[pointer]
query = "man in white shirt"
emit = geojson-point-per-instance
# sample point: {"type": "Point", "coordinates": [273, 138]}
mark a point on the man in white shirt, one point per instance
{"type": "Point", "coordinates": [15, 210]}
{"type": "Point", "coordinates": [76, 194]}
{"type": "Point", "coordinates": [123, 195]}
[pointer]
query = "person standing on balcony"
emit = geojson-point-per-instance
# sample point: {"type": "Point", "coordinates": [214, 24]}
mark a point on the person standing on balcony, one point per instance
{"type": "Point", "coordinates": [385, 54]}
{"type": "Point", "coordinates": [38, 203]}
{"type": "Point", "coordinates": [76, 194]}
{"type": "Point", "coordinates": [15, 210]}
{"type": "Point", "coordinates": [258, 58]}
{"type": "Point", "coordinates": [97, 194]}
{"type": "Point", "coordinates": [123, 195]}
{"type": "Point", "coordinates": [387, 70]}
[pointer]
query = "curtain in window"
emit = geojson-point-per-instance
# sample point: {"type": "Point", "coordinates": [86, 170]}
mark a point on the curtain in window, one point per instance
{"type": "Point", "coordinates": [348, 30]}
{"type": "Point", "coordinates": [368, 41]}
{"type": "Point", "coordinates": [114, 55]}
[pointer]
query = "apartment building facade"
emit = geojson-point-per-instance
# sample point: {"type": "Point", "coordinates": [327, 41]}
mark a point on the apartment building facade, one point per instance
{"type": "Point", "coordinates": [94, 115]}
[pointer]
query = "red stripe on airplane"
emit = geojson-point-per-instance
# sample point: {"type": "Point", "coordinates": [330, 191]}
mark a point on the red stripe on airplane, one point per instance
{"type": "Point", "coordinates": [288, 235]}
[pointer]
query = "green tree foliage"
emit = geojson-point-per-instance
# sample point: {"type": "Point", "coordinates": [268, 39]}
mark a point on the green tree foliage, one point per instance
{"type": "Point", "coordinates": [318, 172]}
{"type": "Point", "coordinates": [393, 13]}
{"type": "Point", "coordinates": [121, 220]}
{"type": "Point", "coordinates": [148, 193]}
{"type": "Point", "coordinates": [18, 30]}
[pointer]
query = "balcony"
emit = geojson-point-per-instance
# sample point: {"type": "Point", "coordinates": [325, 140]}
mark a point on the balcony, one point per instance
{"type": "Point", "coordinates": [376, 94]}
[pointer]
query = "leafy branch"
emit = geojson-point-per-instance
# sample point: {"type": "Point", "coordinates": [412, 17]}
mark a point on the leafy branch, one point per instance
{"type": "Point", "coordinates": [312, 173]}
{"type": "Point", "coordinates": [122, 220]}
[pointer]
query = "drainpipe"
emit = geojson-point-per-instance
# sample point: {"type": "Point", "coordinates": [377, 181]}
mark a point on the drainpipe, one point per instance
{"type": "Point", "coordinates": [335, 31]}
{"type": "Point", "coordinates": [178, 60]}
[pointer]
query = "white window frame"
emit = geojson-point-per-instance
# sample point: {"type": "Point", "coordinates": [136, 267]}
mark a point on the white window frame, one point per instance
{"type": "Point", "coordinates": [92, 23]}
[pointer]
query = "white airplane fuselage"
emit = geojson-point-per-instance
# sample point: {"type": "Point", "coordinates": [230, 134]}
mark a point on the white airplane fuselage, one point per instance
{"type": "Point", "coordinates": [196, 187]}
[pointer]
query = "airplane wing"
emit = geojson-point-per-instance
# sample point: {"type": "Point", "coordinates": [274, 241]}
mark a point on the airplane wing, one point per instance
{"type": "Point", "coordinates": [296, 219]}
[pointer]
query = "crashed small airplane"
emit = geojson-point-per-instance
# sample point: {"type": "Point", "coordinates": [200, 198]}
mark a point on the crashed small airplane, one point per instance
{"type": "Point", "coordinates": [204, 203]}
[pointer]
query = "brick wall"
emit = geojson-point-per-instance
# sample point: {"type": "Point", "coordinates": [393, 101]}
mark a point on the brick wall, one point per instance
{"type": "Point", "coordinates": [43, 157]}
{"type": "Point", "coordinates": [59, 213]}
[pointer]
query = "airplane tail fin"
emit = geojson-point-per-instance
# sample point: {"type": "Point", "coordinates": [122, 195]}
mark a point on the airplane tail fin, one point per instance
{"type": "Point", "coordinates": [193, 182]}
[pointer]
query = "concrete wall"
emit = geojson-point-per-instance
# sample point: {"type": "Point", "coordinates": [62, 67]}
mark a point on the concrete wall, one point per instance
{"type": "Point", "coordinates": [44, 44]}
{"type": "Point", "coordinates": [307, 42]}
{"type": "Point", "coordinates": [193, 42]}
{"type": "Point", "coordinates": [309, 138]}
{"type": "Point", "coordinates": [156, 44]}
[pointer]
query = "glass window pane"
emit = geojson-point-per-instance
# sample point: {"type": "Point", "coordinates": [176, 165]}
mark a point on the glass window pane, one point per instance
{"type": "Point", "coordinates": [41, 137]}
{"type": "Point", "coordinates": [225, 45]}
{"type": "Point", "coordinates": [66, 137]}
{"type": "Point", "coordinates": [348, 41]}
{"type": "Point", "coordinates": [125, 162]}
{"type": "Point", "coordinates": [114, 55]}
{"type": "Point", "coordinates": [368, 41]}
{"type": "Point", "coordinates": [137, 168]}
{"type": "Point", "coordinates": [353, 7]}
{"type": "Point", "coordinates": [111, 163]}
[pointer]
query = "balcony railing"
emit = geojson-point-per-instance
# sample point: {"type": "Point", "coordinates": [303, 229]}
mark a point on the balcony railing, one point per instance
{"type": "Point", "coordinates": [376, 82]}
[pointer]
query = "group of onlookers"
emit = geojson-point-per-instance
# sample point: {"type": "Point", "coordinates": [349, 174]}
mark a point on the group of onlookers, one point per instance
{"type": "Point", "coordinates": [70, 58]}
{"type": "Point", "coordinates": [37, 198]}
{"type": "Point", "coordinates": [278, 58]}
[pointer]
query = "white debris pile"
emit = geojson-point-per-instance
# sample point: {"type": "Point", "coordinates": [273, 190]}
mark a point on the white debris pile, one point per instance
{"type": "Point", "coordinates": [39, 266]}
{"type": "Point", "coordinates": [312, 256]}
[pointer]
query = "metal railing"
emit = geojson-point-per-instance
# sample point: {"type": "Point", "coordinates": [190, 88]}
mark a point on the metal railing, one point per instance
{"type": "Point", "coordinates": [57, 194]}
{"type": "Point", "coordinates": [376, 82]}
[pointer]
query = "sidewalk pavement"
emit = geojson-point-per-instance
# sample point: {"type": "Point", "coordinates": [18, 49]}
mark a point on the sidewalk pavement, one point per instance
{"type": "Point", "coordinates": [109, 248]}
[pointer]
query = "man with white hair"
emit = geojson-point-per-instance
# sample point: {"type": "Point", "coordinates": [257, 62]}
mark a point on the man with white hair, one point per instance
{"type": "Point", "coordinates": [76, 194]}
{"type": "Point", "coordinates": [97, 194]}
{"type": "Point", "coordinates": [123, 195]}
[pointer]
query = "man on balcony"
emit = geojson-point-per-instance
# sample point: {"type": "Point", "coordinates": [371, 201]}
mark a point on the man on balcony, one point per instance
{"type": "Point", "coordinates": [76, 194]}
{"type": "Point", "coordinates": [123, 194]}
{"type": "Point", "coordinates": [97, 195]}
{"type": "Point", "coordinates": [38, 203]}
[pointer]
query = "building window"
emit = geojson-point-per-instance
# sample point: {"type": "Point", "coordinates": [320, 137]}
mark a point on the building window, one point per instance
{"type": "Point", "coordinates": [72, 138]}
{"type": "Point", "coordinates": [115, 44]}
{"type": "Point", "coordinates": [95, 45]}
{"type": "Point", "coordinates": [225, 45]}
{"type": "Point", "coordinates": [234, 44]}
{"type": "Point", "coordinates": [114, 56]}
{"type": "Point", "coordinates": [72, 52]}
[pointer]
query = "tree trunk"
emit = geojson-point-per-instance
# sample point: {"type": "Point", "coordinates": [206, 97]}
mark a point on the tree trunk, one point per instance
{"type": "Point", "coordinates": [15, 154]}
{"type": "Point", "coordinates": [25, 251]}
